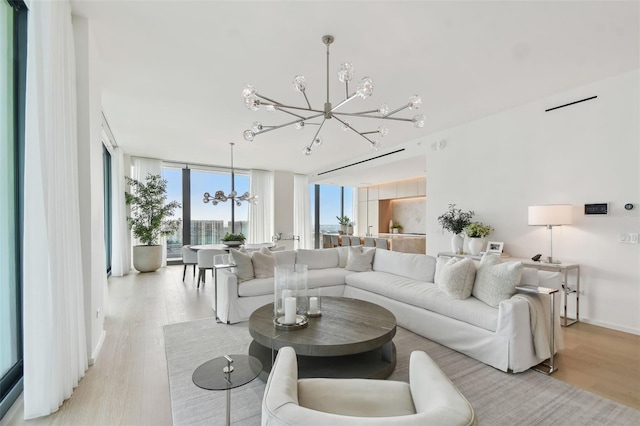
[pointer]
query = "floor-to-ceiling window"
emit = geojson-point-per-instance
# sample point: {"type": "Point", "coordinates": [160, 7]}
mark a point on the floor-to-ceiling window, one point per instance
{"type": "Point", "coordinates": [106, 183]}
{"type": "Point", "coordinates": [204, 223]}
{"type": "Point", "coordinates": [13, 24]}
{"type": "Point", "coordinates": [328, 202]}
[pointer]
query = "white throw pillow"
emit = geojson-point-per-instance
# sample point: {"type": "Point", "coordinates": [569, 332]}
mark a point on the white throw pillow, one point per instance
{"type": "Point", "coordinates": [456, 278]}
{"type": "Point", "coordinates": [496, 281]}
{"type": "Point", "coordinates": [244, 266]}
{"type": "Point", "coordinates": [343, 255]}
{"type": "Point", "coordinates": [359, 259]}
{"type": "Point", "coordinates": [263, 263]}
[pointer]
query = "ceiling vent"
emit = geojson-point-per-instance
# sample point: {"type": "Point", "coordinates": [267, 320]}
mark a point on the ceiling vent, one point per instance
{"type": "Point", "coordinates": [361, 162]}
{"type": "Point", "coordinates": [571, 103]}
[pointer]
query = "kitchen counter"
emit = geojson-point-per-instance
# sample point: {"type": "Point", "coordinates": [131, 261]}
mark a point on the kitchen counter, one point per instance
{"type": "Point", "coordinates": [406, 243]}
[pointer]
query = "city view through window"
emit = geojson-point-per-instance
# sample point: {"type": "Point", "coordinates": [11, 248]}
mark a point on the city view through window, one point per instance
{"type": "Point", "coordinates": [208, 224]}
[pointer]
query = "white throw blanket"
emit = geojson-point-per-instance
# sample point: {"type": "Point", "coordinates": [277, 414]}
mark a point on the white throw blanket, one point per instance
{"type": "Point", "coordinates": [539, 315]}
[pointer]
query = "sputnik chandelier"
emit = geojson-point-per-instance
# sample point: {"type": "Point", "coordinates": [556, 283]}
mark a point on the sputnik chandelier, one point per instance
{"type": "Point", "coordinates": [253, 100]}
{"type": "Point", "coordinates": [220, 197]}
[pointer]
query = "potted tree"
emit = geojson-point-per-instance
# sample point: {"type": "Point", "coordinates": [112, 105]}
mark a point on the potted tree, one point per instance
{"type": "Point", "coordinates": [344, 224]}
{"type": "Point", "coordinates": [455, 221]}
{"type": "Point", "coordinates": [476, 231]}
{"type": "Point", "coordinates": [150, 219]}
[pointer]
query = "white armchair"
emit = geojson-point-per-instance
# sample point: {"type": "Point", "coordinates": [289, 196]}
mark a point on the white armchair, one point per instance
{"type": "Point", "coordinates": [429, 398]}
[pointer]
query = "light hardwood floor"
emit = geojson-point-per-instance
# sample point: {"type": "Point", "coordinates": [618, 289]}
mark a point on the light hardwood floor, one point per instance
{"type": "Point", "coordinates": [128, 384]}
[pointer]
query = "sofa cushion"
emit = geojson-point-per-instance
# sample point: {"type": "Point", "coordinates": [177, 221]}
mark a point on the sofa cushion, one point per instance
{"type": "Point", "coordinates": [359, 259]}
{"type": "Point", "coordinates": [244, 266]}
{"type": "Point", "coordinates": [256, 287]}
{"type": "Point", "coordinates": [417, 266]}
{"type": "Point", "coordinates": [263, 263]}
{"type": "Point", "coordinates": [496, 280]}
{"type": "Point", "coordinates": [318, 258]}
{"type": "Point", "coordinates": [343, 254]}
{"type": "Point", "coordinates": [326, 277]}
{"type": "Point", "coordinates": [427, 296]}
{"type": "Point", "coordinates": [285, 257]}
{"type": "Point", "coordinates": [457, 277]}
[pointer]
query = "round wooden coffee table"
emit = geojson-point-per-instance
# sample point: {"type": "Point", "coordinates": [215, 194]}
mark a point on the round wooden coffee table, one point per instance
{"type": "Point", "coordinates": [352, 339]}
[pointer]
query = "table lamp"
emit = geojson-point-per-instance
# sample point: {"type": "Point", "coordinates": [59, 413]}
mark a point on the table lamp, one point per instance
{"type": "Point", "coordinates": [550, 216]}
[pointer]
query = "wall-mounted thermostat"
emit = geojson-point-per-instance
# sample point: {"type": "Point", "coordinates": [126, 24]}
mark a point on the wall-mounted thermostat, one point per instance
{"type": "Point", "coordinates": [599, 208]}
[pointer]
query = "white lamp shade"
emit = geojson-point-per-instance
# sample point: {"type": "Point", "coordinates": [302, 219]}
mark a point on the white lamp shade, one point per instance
{"type": "Point", "coordinates": [557, 214]}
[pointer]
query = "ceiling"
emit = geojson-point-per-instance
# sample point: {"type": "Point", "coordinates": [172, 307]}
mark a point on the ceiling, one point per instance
{"type": "Point", "coordinates": [173, 71]}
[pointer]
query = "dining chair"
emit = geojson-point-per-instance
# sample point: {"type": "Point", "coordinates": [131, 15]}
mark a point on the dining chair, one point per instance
{"type": "Point", "coordinates": [346, 240]}
{"type": "Point", "coordinates": [189, 257]}
{"type": "Point", "coordinates": [369, 242]}
{"type": "Point", "coordinates": [381, 243]}
{"type": "Point", "coordinates": [205, 262]}
{"type": "Point", "coordinates": [355, 241]}
{"type": "Point", "coordinates": [334, 241]}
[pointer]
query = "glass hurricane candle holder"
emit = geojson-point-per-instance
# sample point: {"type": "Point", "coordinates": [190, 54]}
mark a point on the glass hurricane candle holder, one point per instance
{"type": "Point", "coordinates": [290, 303]}
{"type": "Point", "coordinates": [315, 303]}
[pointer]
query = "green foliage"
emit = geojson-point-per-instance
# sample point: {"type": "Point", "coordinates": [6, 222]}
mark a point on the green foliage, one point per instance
{"type": "Point", "coordinates": [455, 220]}
{"type": "Point", "coordinates": [149, 215]}
{"type": "Point", "coordinates": [477, 230]}
{"type": "Point", "coordinates": [344, 220]}
{"type": "Point", "coordinates": [234, 237]}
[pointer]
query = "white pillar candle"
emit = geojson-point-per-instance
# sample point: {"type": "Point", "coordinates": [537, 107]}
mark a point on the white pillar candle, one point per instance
{"type": "Point", "coordinates": [313, 305]}
{"type": "Point", "coordinates": [290, 310]}
{"type": "Point", "coordinates": [285, 294]}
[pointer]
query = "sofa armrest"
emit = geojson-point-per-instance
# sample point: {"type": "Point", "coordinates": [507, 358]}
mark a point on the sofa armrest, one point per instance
{"type": "Point", "coordinates": [227, 293]}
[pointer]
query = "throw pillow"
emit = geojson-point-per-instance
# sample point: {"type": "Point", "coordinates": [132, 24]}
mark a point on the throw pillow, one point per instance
{"type": "Point", "coordinates": [496, 281]}
{"type": "Point", "coordinates": [456, 278]}
{"type": "Point", "coordinates": [343, 255]}
{"type": "Point", "coordinates": [244, 266]}
{"type": "Point", "coordinates": [263, 263]}
{"type": "Point", "coordinates": [359, 259]}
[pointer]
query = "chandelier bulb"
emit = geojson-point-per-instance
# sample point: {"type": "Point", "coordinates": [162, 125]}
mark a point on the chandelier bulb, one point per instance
{"type": "Point", "coordinates": [375, 145]}
{"type": "Point", "coordinates": [317, 141]}
{"type": "Point", "coordinates": [249, 135]}
{"type": "Point", "coordinates": [383, 110]}
{"type": "Point", "coordinates": [415, 102]}
{"type": "Point", "coordinates": [300, 125]}
{"type": "Point", "coordinates": [248, 90]}
{"type": "Point", "coordinates": [345, 72]}
{"type": "Point", "coordinates": [365, 88]}
{"type": "Point", "coordinates": [307, 150]}
{"type": "Point", "coordinates": [299, 83]}
{"type": "Point", "coordinates": [207, 195]}
{"type": "Point", "coordinates": [419, 120]}
{"type": "Point", "coordinates": [252, 102]}
{"type": "Point", "coordinates": [257, 126]}
{"type": "Point", "coordinates": [346, 126]}
{"type": "Point", "coordinates": [383, 131]}
{"type": "Point", "coordinates": [270, 107]}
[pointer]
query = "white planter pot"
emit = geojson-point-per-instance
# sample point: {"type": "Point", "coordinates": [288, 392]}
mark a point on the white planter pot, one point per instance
{"type": "Point", "coordinates": [147, 258]}
{"type": "Point", "coordinates": [475, 245]}
{"type": "Point", "coordinates": [456, 243]}
{"type": "Point", "coordinates": [343, 229]}
{"type": "Point", "coordinates": [349, 230]}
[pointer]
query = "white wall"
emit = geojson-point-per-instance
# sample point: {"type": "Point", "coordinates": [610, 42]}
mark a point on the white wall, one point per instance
{"type": "Point", "coordinates": [585, 153]}
{"type": "Point", "coordinates": [90, 184]}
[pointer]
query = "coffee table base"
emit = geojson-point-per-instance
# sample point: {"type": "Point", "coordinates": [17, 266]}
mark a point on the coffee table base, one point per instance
{"type": "Point", "coordinates": [376, 364]}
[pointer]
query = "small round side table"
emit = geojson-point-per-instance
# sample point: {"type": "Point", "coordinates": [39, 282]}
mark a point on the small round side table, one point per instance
{"type": "Point", "coordinates": [225, 373]}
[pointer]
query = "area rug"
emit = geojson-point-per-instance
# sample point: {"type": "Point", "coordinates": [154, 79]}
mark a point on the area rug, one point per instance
{"type": "Point", "coordinates": [499, 398]}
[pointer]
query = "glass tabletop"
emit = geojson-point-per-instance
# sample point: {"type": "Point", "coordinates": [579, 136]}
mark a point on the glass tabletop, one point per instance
{"type": "Point", "coordinates": [210, 375]}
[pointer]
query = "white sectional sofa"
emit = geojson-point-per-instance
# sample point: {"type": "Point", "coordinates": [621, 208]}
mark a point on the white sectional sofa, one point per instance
{"type": "Point", "coordinates": [405, 284]}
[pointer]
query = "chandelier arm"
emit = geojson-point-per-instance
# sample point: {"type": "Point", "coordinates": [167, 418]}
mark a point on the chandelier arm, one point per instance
{"type": "Point", "coordinates": [355, 114]}
{"type": "Point", "coordinates": [290, 113]}
{"type": "Point", "coordinates": [344, 102]}
{"type": "Point", "coordinates": [299, 108]}
{"type": "Point", "coordinates": [354, 130]}
{"type": "Point", "coordinates": [397, 110]}
{"type": "Point", "coordinates": [317, 132]}
{"type": "Point", "coordinates": [276, 103]}
{"type": "Point", "coordinates": [306, 99]}
{"type": "Point", "coordinates": [286, 124]}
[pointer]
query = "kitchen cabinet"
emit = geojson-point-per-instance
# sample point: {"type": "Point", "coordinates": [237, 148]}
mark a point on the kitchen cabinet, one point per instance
{"type": "Point", "coordinates": [407, 188]}
{"type": "Point", "coordinates": [422, 186]}
{"type": "Point", "coordinates": [387, 191]}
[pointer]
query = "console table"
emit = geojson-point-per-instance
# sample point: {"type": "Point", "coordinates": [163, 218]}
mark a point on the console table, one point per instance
{"type": "Point", "coordinates": [562, 268]}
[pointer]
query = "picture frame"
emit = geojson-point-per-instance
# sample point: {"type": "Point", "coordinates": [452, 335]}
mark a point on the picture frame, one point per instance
{"type": "Point", "coordinates": [495, 247]}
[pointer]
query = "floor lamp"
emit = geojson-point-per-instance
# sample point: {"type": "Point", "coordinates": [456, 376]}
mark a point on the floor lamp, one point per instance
{"type": "Point", "coordinates": [550, 216]}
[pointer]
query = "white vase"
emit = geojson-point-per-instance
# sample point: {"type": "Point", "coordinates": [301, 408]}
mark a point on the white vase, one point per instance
{"type": "Point", "coordinates": [456, 243]}
{"type": "Point", "coordinates": [475, 246]}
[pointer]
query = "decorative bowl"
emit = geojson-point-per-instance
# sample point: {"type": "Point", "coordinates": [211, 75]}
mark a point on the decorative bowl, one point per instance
{"type": "Point", "coordinates": [232, 243]}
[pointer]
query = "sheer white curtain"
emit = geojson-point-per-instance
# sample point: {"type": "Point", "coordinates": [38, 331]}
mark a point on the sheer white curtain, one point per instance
{"type": "Point", "coordinates": [120, 240]}
{"type": "Point", "coordinates": [261, 214]}
{"type": "Point", "coordinates": [55, 352]}
{"type": "Point", "coordinates": [301, 212]}
{"type": "Point", "coordinates": [140, 168]}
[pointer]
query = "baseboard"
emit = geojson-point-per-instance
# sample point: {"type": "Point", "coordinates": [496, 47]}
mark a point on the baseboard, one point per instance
{"type": "Point", "coordinates": [611, 326]}
{"type": "Point", "coordinates": [98, 348]}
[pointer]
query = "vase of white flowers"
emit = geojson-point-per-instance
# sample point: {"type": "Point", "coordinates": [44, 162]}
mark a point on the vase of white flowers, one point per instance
{"type": "Point", "coordinates": [455, 221]}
